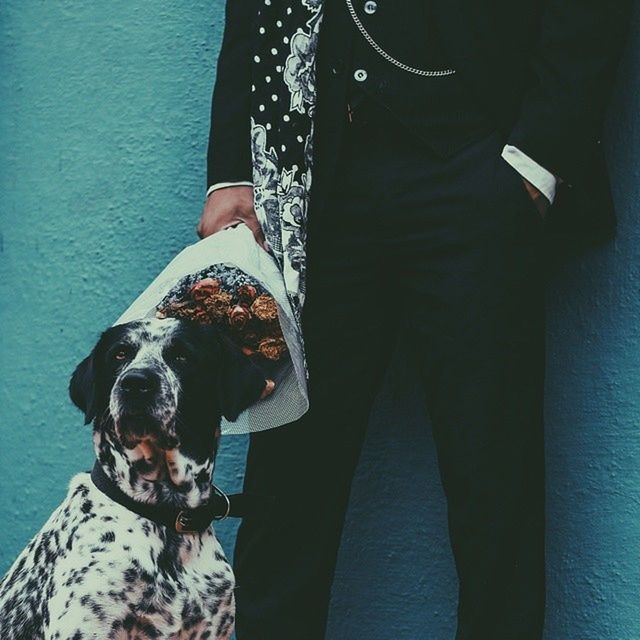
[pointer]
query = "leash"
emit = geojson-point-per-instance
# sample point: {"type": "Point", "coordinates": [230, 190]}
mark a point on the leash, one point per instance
{"type": "Point", "coordinates": [218, 507]}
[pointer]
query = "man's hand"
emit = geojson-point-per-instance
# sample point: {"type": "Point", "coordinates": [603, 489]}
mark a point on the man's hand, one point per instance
{"type": "Point", "coordinates": [539, 199]}
{"type": "Point", "coordinates": [228, 207]}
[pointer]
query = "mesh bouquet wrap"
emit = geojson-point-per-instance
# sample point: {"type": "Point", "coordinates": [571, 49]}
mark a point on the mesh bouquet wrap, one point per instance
{"type": "Point", "coordinates": [227, 279]}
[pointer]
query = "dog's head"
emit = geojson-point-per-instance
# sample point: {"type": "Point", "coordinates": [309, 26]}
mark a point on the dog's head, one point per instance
{"type": "Point", "coordinates": [165, 381]}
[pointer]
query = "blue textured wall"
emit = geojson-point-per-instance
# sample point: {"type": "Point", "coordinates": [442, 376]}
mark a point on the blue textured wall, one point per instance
{"type": "Point", "coordinates": [103, 127]}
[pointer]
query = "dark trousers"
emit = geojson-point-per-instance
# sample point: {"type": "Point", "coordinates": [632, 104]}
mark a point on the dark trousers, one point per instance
{"type": "Point", "coordinates": [449, 253]}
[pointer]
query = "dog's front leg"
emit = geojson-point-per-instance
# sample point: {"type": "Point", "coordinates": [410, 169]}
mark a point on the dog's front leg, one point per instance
{"type": "Point", "coordinates": [73, 614]}
{"type": "Point", "coordinates": [101, 595]}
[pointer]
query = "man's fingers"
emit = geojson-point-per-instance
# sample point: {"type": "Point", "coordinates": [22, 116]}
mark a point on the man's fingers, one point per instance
{"type": "Point", "coordinates": [259, 238]}
{"type": "Point", "coordinates": [227, 208]}
{"type": "Point", "coordinates": [539, 199]}
{"type": "Point", "coordinates": [542, 205]}
{"type": "Point", "coordinates": [233, 223]}
{"type": "Point", "coordinates": [256, 229]}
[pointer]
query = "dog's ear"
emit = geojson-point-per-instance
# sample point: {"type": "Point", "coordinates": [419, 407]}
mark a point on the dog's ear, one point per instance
{"type": "Point", "coordinates": [240, 381]}
{"type": "Point", "coordinates": [82, 388]}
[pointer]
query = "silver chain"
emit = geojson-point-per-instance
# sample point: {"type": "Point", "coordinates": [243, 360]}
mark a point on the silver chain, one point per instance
{"type": "Point", "coordinates": [386, 56]}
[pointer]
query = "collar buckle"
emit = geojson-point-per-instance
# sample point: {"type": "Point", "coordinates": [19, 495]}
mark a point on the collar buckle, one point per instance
{"type": "Point", "coordinates": [184, 524]}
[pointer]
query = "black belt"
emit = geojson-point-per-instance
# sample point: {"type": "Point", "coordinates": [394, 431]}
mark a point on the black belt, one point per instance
{"type": "Point", "coordinates": [218, 507]}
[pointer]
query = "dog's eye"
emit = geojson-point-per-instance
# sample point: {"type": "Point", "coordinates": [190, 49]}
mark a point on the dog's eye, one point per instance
{"type": "Point", "coordinates": [177, 354]}
{"type": "Point", "coordinates": [121, 353]}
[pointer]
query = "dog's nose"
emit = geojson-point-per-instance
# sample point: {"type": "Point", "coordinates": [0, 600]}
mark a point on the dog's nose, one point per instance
{"type": "Point", "coordinates": [138, 383]}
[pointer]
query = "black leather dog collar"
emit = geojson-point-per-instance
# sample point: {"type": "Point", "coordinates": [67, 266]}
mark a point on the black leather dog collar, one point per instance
{"type": "Point", "coordinates": [218, 507]}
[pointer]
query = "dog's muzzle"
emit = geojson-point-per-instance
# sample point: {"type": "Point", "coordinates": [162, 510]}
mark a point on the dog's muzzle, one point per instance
{"type": "Point", "coordinates": [142, 411]}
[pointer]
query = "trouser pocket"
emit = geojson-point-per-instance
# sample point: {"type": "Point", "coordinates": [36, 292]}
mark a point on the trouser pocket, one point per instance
{"type": "Point", "coordinates": [512, 191]}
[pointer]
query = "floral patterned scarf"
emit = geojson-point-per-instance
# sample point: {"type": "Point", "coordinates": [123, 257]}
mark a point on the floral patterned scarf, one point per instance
{"type": "Point", "coordinates": [283, 104]}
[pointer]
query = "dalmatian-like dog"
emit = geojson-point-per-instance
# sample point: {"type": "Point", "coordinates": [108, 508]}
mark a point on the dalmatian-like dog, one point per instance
{"type": "Point", "coordinates": [155, 391]}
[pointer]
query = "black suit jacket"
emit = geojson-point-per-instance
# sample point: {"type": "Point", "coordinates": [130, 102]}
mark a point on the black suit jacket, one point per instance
{"type": "Point", "coordinates": [542, 69]}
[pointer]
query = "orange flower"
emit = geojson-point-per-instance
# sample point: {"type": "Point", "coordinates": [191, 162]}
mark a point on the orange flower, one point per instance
{"type": "Point", "coordinates": [187, 310]}
{"type": "Point", "coordinates": [264, 308]}
{"type": "Point", "coordinates": [217, 305]}
{"type": "Point", "coordinates": [200, 315]}
{"type": "Point", "coordinates": [204, 288]}
{"type": "Point", "coordinates": [272, 348]}
{"type": "Point", "coordinates": [183, 309]}
{"type": "Point", "coordinates": [239, 316]}
{"type": "Point", "coordinates": [246, 294]}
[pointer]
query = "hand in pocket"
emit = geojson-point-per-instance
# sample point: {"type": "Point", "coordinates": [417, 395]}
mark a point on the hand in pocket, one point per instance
{"type": "Point", "coordinates": [539, 199]}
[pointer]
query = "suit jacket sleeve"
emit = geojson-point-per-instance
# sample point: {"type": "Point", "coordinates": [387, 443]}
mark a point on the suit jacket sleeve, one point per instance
{"type": "Point", "coordinates": [574, 66]}
{"type": "Point", "coordinates": [229, 149]}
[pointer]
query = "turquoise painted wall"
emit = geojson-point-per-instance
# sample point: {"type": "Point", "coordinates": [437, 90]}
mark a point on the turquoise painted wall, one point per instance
{"type": "Point", "coordinates": [103, 128]}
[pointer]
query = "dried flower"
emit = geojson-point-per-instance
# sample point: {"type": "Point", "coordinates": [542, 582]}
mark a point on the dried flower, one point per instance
{"type": "Point", "coordinates": [239, 316]}
{"type": "Point", "coordinates": [204, 288]}
{"type": "Point", "coordinates": [201, 315]}
{"type": "Point", "coordinates": [264, 308]}
{"type": "Point", "coordinates": [247, 293]}
{"type": "Point", "coordinates": [272, 348]}
{"type": "Point", "coordinates": [217, 305]}
{"type": "Point", "coordinates": [226, 296]}
{"type": "Point", "coordinates": [184, 309]}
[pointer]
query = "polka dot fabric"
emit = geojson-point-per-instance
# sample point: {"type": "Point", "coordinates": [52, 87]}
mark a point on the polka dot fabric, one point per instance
{"type": "Point", "coordinates": [283, 102]}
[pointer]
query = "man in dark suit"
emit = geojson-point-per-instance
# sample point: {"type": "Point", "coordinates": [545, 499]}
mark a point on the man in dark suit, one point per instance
{"type": "Point", "coordinates": [454, 139]}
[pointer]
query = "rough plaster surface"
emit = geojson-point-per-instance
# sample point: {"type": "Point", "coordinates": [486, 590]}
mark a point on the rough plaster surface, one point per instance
{"type": "Point", "coordinates": [103, 126]}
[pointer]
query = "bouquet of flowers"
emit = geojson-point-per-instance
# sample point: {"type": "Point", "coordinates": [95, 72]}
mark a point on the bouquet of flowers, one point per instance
{"type": "Point", "coordinates": [228, 297]}
{"type": "Point", "coordinates": [228, 280]}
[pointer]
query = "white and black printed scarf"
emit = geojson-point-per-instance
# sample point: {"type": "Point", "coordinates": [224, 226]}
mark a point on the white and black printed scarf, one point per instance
{"type": "Point", "coordinates": [282, 111]}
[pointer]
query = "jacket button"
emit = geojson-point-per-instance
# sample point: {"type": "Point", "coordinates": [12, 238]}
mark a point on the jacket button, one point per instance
{"type": "Point", "coordinates": [370, 7]}
{"type": "Point", "coordinates": [360, 75]}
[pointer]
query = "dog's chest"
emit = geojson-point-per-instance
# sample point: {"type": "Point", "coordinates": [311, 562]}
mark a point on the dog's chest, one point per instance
{"type": "Point", "coordinates": [113, 569]}
{"type": "Point", "coordinates": [172, 581]}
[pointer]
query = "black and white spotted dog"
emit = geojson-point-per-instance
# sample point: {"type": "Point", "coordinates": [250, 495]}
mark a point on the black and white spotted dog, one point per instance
{"type": "Point", "coordinates": [155, 391]}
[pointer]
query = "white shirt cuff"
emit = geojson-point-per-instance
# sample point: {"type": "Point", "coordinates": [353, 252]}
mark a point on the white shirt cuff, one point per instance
{"type": "Point", "coordinates": [222, 185]}
{"type": "Point", "coordinates": [536, 174]}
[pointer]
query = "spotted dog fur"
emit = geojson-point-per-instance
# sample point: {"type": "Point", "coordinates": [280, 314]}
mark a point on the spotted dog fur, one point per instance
{"type": "Point", "coordinates": [155, 391]}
